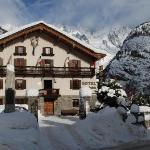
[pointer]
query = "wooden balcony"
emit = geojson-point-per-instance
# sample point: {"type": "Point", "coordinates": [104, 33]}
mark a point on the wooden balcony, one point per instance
{"type": "Point", "coordinates": [33, 71]}
{"type": "Point", "coordinates": [49, 93]}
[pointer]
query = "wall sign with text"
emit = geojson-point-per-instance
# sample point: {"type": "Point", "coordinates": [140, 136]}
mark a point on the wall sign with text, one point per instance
{"type": "Point", "coordinates": [92, 85]}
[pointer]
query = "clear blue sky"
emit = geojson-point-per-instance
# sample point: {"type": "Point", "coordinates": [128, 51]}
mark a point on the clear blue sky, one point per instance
{"type": "Point", "coordinates": [91, 14]}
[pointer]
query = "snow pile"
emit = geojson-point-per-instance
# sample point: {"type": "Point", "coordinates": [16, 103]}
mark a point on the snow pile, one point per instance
{"type": "Point", "coordinates": [19, 131]}
{"type": "Point", "coordinates": [17, 106]}
{"type": "Point", "coordinates": [32, 92]}
{"type": "Point", "coordinates": [102, 129]}
{"type": "Point", "coordinates": [85, 91]}
{"type": "Point", "coordinates": [134, 108]}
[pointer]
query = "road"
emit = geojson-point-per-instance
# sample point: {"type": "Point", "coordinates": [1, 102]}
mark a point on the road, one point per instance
{"type": "Point", "coordinates": [145, 145]}
{"type": "Point", "coordinates": [62, 134]}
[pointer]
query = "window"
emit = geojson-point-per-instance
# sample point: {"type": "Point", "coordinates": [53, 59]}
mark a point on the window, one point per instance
{"type": "Point", "coordinates": [47, 63]}
{"type": "Point", "coordinates": [1, 83]}
{"type": "Point", "coordinates": [74, 63]}
{"type": "Point", "coordinates": [20, 50]}
{"type": "Point", "coordinates": [20, 62]}
{"type": "Point", "coordinates": [47, 51]}
{"type": "Point", "coordinates": [75, 102]}
{"type": "Point", "coordinates": [75, 84]}
{"type": "Point", "coordinates": [20, 84]}
{"type": "Point", "coordinates": [21, 101]}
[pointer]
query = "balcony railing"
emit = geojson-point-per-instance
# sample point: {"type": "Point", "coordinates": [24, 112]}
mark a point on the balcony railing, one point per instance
{"type": "Point", "coordinates": [33, 71]}
{"type": "Point", "coordinates": [49, 93]}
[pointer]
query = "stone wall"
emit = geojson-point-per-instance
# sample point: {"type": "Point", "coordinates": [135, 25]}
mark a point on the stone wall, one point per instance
{"type": "Point", "coordinates": [65, 102]}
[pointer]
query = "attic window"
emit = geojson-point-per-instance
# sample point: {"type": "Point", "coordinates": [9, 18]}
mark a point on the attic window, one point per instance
{"type": "Point", "coordinates": [47, 51]}
{"type": "Point", "coordinates": [20, 50]}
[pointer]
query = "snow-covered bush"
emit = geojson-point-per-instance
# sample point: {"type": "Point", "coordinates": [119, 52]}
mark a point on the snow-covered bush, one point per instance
{"type": "Point", "coordinates": [111, 93]}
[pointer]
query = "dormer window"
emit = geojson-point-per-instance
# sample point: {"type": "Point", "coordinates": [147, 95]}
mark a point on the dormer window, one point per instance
{"type": "Point", "coordinates": [20, 50]}
{"type": "Point", "coordinates": [47, 51]}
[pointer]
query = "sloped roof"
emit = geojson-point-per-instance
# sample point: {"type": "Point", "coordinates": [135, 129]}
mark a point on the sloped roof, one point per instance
{"type": "Point", "coordinates": [40, 25]}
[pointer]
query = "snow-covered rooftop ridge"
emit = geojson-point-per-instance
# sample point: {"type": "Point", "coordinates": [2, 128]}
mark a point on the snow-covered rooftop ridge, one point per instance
{"type": "Point", "coordinates": [96, 50]}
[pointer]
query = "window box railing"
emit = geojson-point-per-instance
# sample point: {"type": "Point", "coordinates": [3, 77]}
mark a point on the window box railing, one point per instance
{"type": "Point", "coordinates": [20, 54]}
{"type": "Point", "coordinates": [50, 54]}
{"type": "Point", "coordinates": [49, 93]}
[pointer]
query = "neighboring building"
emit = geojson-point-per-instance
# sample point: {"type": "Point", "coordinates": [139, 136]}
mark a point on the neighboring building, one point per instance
{"type": "Point", "coordinates": [51, 61]}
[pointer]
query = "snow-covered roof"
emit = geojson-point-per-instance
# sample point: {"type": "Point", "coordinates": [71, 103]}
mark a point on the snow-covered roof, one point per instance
{"type": "Point", "coordinates": [18, 29]}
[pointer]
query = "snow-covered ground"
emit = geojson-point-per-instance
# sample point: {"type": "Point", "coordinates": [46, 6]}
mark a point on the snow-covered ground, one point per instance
{"type": "Point", "coordinates": [19, 131]}
{"type": "Point", "coordinates": [102, 129]}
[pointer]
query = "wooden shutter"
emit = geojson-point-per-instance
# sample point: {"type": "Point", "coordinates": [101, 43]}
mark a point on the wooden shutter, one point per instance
{"type": "Point", "coordinates": [24, 49]}
{"type": "Point", "coordinates": [74, 63]}
{"type": "Point", "coordinates": [71, 84]}
{"type": "Point", "coordinates": [23, 84]}
{"type": "Point", "coordinates": [1, 83]}
{"type": "Point", "coordinates": [44, 50]}
{"type": "Point", "coordinates": [20, 62]}
{"type": "Point", "coordinates": [70, 63]}
{"type": "Point", "coordinates": [51, 50]}
{"type": "Point", "coordinates": [75, 84]}
{"type": "Point", "coordinates": [1, 61]}
{"type": "Point", "coordinates": [78, 63]}
{"type": "Point", "coordinates": [24, 62]}
{"type": "Point", "coordinates": [16, 49]}
{"type": "Point", "coordinates": [16, 62]}
{"type": "Point", "coordinates": [16, 85]}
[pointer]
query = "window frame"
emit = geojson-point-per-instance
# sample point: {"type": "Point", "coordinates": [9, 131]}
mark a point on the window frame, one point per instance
{"type": "Point", "coordinates": [51, 52]}
{"type": "Point", "coordinates": [22, 86]}
{"type": "Point", "coordinates": [75, 102]}
{"type": "Point", "coordinates": [16, 53]}
{"type": "Point", "coordinates": [75, 84]}
{"type": "Point", "coordinates": [23, 63]}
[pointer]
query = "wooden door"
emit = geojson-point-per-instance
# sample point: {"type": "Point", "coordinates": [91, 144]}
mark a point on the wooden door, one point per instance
{"type": "Point", "coordinates": [49, 108]}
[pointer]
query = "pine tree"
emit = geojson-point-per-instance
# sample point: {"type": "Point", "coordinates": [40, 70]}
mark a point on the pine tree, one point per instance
{"type": "Point", "coordinates": [109, 93]}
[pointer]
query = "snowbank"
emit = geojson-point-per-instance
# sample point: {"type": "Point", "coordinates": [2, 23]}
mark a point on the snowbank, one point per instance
{"type": "Point", "coordinates": [102, 129]}
{"type": "Point", "coordinates": [18, 131]}
{"type": "Point", "coordinates": [142, 109]}
{"type": "Point", "coordinates": [85, 91]}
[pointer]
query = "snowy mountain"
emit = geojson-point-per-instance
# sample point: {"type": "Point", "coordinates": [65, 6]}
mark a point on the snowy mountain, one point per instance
{"type": "Point", "coordinates": [131, 66]}
{"type": "Point", "coordinates": [104, 39]}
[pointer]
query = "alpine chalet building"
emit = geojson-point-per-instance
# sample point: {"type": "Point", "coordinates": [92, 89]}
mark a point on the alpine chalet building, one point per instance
{"type": "Point", "coordinates": [51, 61]}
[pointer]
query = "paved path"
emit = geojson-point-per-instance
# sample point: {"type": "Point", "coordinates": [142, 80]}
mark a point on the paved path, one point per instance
{"type": "Point", "coordinates": [145, 145]}
{"type": "Point", "coordinates": [60, 134]}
